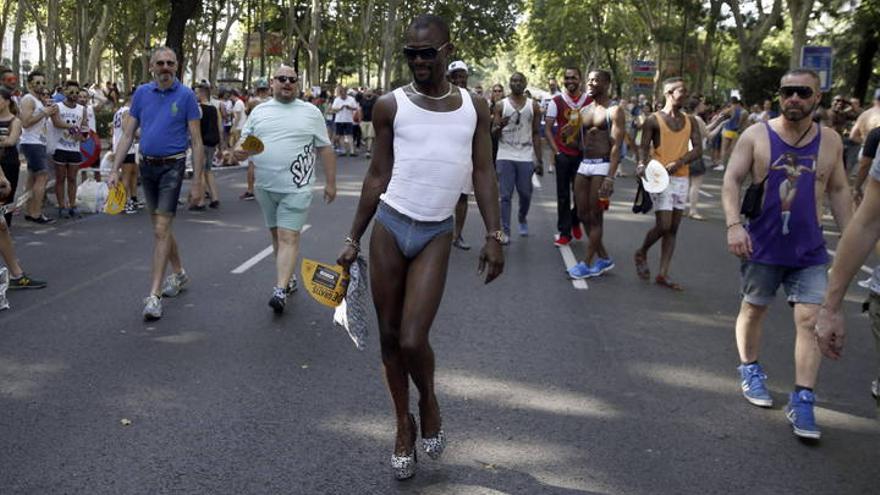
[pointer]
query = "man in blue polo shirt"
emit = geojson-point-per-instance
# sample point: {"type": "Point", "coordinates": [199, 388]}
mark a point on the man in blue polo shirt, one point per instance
{"type": "Point", "coordinates": [168, 115]}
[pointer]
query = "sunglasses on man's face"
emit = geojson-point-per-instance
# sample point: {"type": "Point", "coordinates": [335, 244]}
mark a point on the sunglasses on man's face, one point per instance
{"type": "Point", "coordinates": [164, 63]}
{"type": "Point", "coordinates": [803, 92]}
{"type": "Point", "coordinates": [428, 53]}
{"type": "Point", "coordinates": [286, 79]}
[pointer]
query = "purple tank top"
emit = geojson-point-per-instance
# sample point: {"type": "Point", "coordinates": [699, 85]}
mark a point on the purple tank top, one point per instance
{"type": "Point", "coordinates": [788, 232]}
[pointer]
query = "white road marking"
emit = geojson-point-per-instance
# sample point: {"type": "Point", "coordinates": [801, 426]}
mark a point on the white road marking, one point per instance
{"type": "Point", "coordinates": [569, 260]}
{"type": "Point", "coordinates": [704, 193]}
{"type": "Point", "coordinates": [247, 265]}
{"type": "Point", "coordinates": [864, 268]}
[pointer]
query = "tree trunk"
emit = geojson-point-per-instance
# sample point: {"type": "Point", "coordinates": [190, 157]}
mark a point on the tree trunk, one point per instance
{"type": "Point", "coordinates": [51, 33]}
{"type": "Point", "coordinates": [799, 11]}
{"type": "Point", "coordinates": [233, 12]}
{"type": "Point", "coordinates": [388, 43]}
{"type": "Point", "coordinates": [4, 20]}
{"type": "Point", "coordinates": [314, 40]}
{"type": "Point", "coordinates": [181, 12]}
{"type": "Point", "coordinates": [868, 47]}
{"type": "Point", "coordinates": [62, 73]}
{"type": "Point", "coordinates": [16, 38]}
{"type": "Point", "coordinates": [366, 22]}
{"type": "Point", "coordinates": [750, 36]}
{"type": "Point", "coordinates": [149, 20]}
{"type": "Point", "coordinates": [97, 41]}
{"type": "Point", "coordinates": [706, 52]}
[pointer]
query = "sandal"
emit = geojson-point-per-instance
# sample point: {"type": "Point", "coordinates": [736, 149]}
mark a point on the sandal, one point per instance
{"type": "Point", "coordinates": [665, 282]}
{"type": "Point", "coordinates": [642, 266]}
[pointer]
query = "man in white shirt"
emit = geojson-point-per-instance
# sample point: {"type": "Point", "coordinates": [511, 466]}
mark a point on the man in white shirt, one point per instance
{"type": "Point", "coordinates": [344, 106]}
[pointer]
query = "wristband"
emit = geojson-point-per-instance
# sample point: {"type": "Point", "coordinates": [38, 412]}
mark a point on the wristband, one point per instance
{"type": "Point", "coordinates": [353, 243]}
{"type": "Point", "coordinates": [734, 224]}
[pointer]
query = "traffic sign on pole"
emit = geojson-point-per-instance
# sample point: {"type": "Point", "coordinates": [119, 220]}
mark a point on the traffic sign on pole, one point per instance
{"type": "Point", "coordinates": [819, 58]}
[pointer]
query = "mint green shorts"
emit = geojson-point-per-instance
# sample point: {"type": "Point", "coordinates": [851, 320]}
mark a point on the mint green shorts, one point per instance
{"type": "Point", "coordinates": [284, 210]}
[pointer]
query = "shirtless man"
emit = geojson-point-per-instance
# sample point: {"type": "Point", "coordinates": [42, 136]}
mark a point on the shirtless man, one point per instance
{"type": "Point", "coordinates": [868, 120]}
{"type": "Point", "coordinates": [665, 136]}
{"type": "Point", "coordinates": [411, 187]}
{"type": "Point", "coordinates": [799, 163]}
{"type": "Point", "coordinates": [602, 130]}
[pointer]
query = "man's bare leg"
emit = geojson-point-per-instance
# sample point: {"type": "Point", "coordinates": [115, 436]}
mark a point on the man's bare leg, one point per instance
{"type": "Point", "coordinates": [425, 280]}
{"type": "Point", "coordinates": [461, 209]}
{"type": "Point", "coordinates": [164, 251]}
{"type": "Point", "coordinates": [749, 326]}
{"type": "Point", "coordinates": [286, 244]}
{"type": "Point", "coordinates": [37, 186]}
{"type": "Point", "coordinates": [60, 178]}
{"type": "Point", "coordinates": [595, 219]}
{"type": "Point", "coordinates": [7, 250]}
{"type": "Point", "coordinates": [71, 185]}
{"type": "Point", "coordinates": [667, 248]}
{"type": "Point", "coordinates": [388, 281]}
{"type": "Point", "coordinates": [584, 209]}
{"type": "Point", "coordinates": [807, 357]}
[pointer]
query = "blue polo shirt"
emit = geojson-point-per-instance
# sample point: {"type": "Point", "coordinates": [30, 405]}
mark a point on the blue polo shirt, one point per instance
{"type": "Point", "coordinates": [163, 116]}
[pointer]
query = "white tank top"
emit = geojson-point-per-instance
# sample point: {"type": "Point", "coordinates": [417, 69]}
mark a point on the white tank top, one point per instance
{"type": "Point", "coordinates": [35, 134]}
{"type": "Point", "coordinates": [432, 158]}
{"type": "Point", "coordinates": [515, 143]}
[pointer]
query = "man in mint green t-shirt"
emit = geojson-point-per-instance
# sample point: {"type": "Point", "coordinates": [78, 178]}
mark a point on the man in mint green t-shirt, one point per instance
{"type": "Point", "coordinates": [293, 134]}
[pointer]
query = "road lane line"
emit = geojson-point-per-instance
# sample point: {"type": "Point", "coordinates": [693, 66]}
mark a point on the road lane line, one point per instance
{"type": "Point", "coordinates": [247, 265]}
{"type": "Point", "coordinates": [569, 260]}
{"type": "Point", "coordinates": [704, 193]}
{"type": "Point", "coordinates": [864, 268]}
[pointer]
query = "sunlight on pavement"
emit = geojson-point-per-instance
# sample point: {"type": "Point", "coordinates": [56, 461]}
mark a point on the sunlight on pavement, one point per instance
{"type": "Point", "coordinates": [680, 376]}
{"type": "Point", "coordinates": [20, 380]}
{"type": "Point", "coordinates": [508, 393]}
{"type": "Point", "coordinates": [702, 320]}
{"type": "Point", "coordinates": [846, 421]}
{"type": "Point", "coordinates": [181, 338]}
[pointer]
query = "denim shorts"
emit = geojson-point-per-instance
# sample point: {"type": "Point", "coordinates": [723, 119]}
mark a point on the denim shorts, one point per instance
{"type": "Point", "coordinates": [802, 285]}
{"type": "Point", "coordinates": [161, 183]}
{"type": "Point", "coordinates": [285, 210]}
{"type": "Point", "coordinates": [36, 157]}
{"type": "Point", "coordinates": [410, 235]}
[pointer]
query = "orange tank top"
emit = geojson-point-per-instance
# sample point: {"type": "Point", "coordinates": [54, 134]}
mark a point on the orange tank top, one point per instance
{"type": "Point", "coordinates": [673, 145]}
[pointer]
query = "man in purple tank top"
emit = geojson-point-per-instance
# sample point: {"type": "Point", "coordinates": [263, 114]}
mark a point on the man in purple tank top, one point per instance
{"type": "Point", "coordinates": [797, 162]}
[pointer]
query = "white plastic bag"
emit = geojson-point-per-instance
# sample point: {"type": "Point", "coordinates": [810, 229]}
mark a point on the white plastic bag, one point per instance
{"type": "Point", "coordinates": [536, 182]}
{"type": "Point", "coordinates": [4, 284]}
{"type": "Point", "coordinates": [352, 314]}
{"type": "Point", "coordinates": [91, 195]}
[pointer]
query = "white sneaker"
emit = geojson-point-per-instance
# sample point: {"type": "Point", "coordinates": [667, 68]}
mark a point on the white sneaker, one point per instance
{"type": "Point", "coordinates": [718, 168]}
{"type": "Point", "coordinates": [875, 388]}
{"type": "Point", "coordinates": [152, 308]}
{"type": "Point", "coordinates": [174, 284]}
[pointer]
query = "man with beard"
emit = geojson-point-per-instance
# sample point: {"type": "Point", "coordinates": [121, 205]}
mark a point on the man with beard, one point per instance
{"type": "Point", "coordinates": [602, 130]}
{"type": "Point", "coordinates": [783, 244]}
{"type": "Point", "coordinates": [168, 114]}
{"type": "Point", "coordinates": [293, 134]}
{"type": "Point", "coordinates": [666, 137]}
{"type": "Point", "coordinates": [564, 110]}
{"type": "Point", "coordinates": [430, 137]}
{"type": "Point", "coordinates": [515, 122]}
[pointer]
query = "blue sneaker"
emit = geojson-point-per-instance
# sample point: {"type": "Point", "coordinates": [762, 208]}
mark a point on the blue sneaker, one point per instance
{"type": "Point", "coordinates": [581, 271]}
{"type": "Point", "coordinates": [524, 229]}
{"type": "Point", "coordinates": [799, 412]}
{"type": "Point", "coordinates": [753, 387]}
{"type": "Point", "coordinates": [604, 265]}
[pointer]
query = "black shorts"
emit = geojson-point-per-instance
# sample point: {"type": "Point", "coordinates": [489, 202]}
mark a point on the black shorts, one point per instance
{"type": "Point", "coordinates": [344, 128]}
{"type": "Point", "coordinates": [64, 157]}
{"type": "Point", "coordinates": [130, 158]}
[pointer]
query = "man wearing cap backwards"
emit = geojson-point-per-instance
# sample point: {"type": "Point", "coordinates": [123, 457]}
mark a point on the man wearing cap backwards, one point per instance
{"type": "Point", "coordinates": [293, 134]}
{"type": "Point", "coordinates": [669, 131]}
{"type": "Point", "coordinates": [457, 73]}
{"type": "Point", "coordinates": [430, 137]}
{"type": "Point", "coordinates": [798, 162]}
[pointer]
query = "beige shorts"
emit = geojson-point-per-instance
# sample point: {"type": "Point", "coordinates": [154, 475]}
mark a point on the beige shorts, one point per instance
{"type": "Point", "coordinates": [367, 131]}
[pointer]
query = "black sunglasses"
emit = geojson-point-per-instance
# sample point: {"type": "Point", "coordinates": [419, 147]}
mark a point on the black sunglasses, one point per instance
{"type": "Point", "coordinates": [429, 53]}
{"type": "Point", "coordinates": [163, 63]}
{"type": "Point", "coordinates": [803, 92]}
{"type": "Point", "coordinates": [286, 79]}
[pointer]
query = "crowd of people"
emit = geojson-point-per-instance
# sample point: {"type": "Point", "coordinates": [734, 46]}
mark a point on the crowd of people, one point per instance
{"type": "Point", "coordinates": [490, 146]}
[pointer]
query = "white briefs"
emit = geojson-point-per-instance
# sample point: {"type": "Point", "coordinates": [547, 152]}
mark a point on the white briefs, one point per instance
{"type": "Point", "coordinates": [594, 166]}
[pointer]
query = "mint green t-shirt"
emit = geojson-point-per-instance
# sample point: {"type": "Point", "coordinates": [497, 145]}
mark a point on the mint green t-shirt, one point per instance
{"type": "Point", "coordinates": [290, 133]}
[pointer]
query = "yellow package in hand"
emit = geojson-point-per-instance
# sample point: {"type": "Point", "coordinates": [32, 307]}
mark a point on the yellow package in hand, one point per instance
{"type": "Point", "coordinates": [252, 145]}
{"type": "Point", "coordinates": [327, 284]}
{"type": "Point", "coordinates": [116, 198]}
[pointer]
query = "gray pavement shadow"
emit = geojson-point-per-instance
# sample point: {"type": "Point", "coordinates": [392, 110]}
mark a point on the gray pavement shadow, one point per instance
{"type": "Point", "coordinates": [488, 480]}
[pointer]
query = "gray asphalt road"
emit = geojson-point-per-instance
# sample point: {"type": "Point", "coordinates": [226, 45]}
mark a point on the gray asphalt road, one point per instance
{"type": "Point", "coordinates": [545, 389]}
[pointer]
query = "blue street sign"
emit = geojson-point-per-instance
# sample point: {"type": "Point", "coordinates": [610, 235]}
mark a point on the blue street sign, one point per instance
{"type": "Point", "coordinates": [819, 58]}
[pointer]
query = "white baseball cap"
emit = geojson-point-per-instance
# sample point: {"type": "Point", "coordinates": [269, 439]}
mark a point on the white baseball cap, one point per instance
{"type": "Point", "coordinates": [457, 65]}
